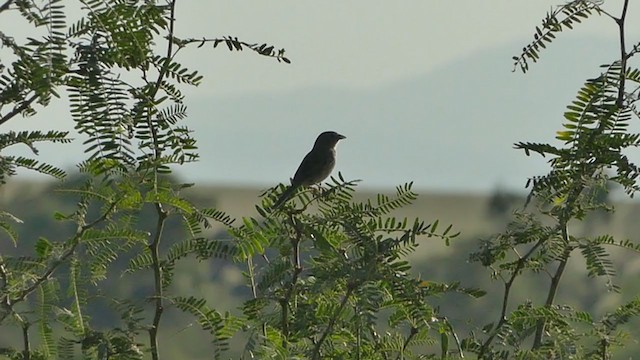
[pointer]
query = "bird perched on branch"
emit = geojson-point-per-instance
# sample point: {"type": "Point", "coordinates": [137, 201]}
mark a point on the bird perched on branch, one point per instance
{"type": "Point", "coordinates": [315, 167]}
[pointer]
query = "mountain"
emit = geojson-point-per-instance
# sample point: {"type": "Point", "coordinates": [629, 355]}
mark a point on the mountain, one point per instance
{"type": "Point", "coordinates": [450, 130]}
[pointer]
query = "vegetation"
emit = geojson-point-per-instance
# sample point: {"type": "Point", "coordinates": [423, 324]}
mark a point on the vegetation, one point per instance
{"type": "Point", "coordinates": [328, 275]}
{"type": "Point", "coordinates": [595, 136]}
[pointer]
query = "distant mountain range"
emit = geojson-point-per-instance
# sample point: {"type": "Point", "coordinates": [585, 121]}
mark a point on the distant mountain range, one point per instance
{"type": "Point", "coordinates": [449, 130]}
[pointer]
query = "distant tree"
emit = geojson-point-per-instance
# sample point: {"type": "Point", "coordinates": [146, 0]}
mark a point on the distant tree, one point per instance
{"type": "Point", "coordinates": [502, 203]}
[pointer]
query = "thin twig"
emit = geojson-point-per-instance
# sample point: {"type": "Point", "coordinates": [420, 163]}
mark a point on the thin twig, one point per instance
{"type": "Point", "coordinates": [26, 352]}
{"type": "Point", "coordinates": [17, 110]}
{"type": "Point", "coordinates": [235, 44]}
{"type": "Point", "coordinates": [5, 282]}
{"type": "Point", "coordinates": [455, 337]}
{"type": "Point", "coordinates": [297, 269]}
{"type": "Point", "coordinates": [8, 302]}
{"type": "Point", "coordinates": [6, 5]}
{"type": "Point", "coordinates": [162, 214]}
{"type": "Point", "coordinates": [75, 241]}
{"type": "Point", "coordinates": [254, 288]}
{"type": "Point", "coordinates": [157, 276]}
{"type": "Point", "coordinates": [623, 54]}
{"type": "Point", "coordinates": [412, 334]}
{"type": "Point", "coordinates": [507, 292]}
{"type": "Point", "coordinates": [332, 321]}
{"type": "Point", "coordinates": [553, 287]}
{"type": "Point", "coordinates": [555, 280]}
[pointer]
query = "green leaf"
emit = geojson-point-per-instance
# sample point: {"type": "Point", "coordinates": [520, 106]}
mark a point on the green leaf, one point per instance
{"type": "Point", "coordinates": [322, 242]}
{"type": "Point", "coordinates": [43, 248]}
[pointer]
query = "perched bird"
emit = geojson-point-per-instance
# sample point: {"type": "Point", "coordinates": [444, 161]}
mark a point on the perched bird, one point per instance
{"type": "Point", "coordinates": [315, 167]}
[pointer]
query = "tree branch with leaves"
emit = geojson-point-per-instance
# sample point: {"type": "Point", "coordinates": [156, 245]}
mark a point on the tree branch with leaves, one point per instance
{"type": "Point", "coordinates": [595, 135]}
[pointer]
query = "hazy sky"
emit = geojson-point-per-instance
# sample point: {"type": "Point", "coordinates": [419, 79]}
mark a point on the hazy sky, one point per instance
{"type": "Point", "coordinates": [357, 44]}
{"type": "Point", "coordinates": [363, 47]}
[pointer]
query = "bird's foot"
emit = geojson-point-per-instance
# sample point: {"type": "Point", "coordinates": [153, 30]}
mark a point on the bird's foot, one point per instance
{"type": "Point", "coordinates": [317, 190]}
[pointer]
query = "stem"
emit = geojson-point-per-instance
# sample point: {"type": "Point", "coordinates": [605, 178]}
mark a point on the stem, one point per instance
{"type": "Point", "coordinates": [505, 298]}
{"type": "Point", "coordinates": [8, 302]}
{"type": "Point", "coordinates": [254, 290]}
{"type": "Point", "coordinates": [165, 67]}
{"type": "Point", "coordinates": [284, 305]}
{"type": "Point", "coordinates": [623, 54]}
{"type": "Point", "coordinates": [297, 269]}
{"type": "Point", "coordinates": [162, 214]}
{"type": "Point", "coordinates": [18, 109]}
{"type": "Point", "coordinates": [6, 5]}
{"type": "Point", "coordinates": [332, 321]}
{"type": "Point", "coordinates": [604, 345]}
{"type": "Point", "coordinates": [358, 332]}
{"type": "Point", "coordinates": [376, 341]}
{"type": "Point", "coordinates": [272, 54]}
{"type": "Point", "coordinates": [4, 299]}
{"type": "Point", "coordinates": [412, 334]}
{"type": "Point", "coordinates": [26, 353]}
{"type": "Point", "coordinates": [157, 276]}
{"type": "Point", "coordinates": [553, 287]}
{"type": "Point", "coordinates": [455, 337]}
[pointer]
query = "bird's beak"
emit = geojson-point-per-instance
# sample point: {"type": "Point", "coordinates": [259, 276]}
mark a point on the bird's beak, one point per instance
{"type": "Point", "coordinates": [340, 137]}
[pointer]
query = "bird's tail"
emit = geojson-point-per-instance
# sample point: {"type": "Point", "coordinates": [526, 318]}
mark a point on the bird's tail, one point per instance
{"type": "Point", "coordinates": [285, 196]}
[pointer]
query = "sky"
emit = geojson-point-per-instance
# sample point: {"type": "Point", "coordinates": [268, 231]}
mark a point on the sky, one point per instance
{"type": "Point", "coordinates": [423, 90]}
{"type": "Point", "coordinates": [358, 44]}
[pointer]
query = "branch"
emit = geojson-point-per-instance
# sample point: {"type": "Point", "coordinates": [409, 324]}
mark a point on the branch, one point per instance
{"type": "Point", "coordinates": [26, 352]}
{"type": "Point", "coordinates": [18, 109]}
{"type": "Point", "coordinates": [154, 247]}
{"type": "Point", "coordinates": [553, 289]}
{"type": "Point", "coordinates": [551, 25]}
{"type": "Point", "coordinates": [158, 84]}
{"type": "Point", "coordinates": [573, 196]}
{"type": "Point", "coordinates": [254, 290]}
{"type": "Point", "coordinates": [412, 334]}
{"type": "Point", "coordinates": [8, 302]}
{"type": "Point", "coordinates": [507, 292]}
{"type": "Point", "coordinates": [455, 337]}
{"type": "Point", "coordinates": [6, 5]}
{"type": "Point", "coordinates": [297, 269]}
{"type": "Point", "coordinates": [234, 44]}
{"type": "Point", "coordinates": [623, 54]}
{"type": "Point", "coordinates": [332, 321]}
{"type": "Point", "coordinates": [68, 253]}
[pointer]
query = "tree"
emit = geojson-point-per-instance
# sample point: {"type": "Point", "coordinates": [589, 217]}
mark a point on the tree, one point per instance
{"type": "Point", "coordinates": [134, 138]}
{"type": "Point", "coordinates": [126, 99]}
{"type": "Point", "coordinates": [595, 135]}
{"type": "Point", "coordinates": [328, 276]}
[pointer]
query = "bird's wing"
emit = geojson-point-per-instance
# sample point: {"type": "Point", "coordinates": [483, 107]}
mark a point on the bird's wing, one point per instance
{"type": "Point", "coordinates": [315, 167]}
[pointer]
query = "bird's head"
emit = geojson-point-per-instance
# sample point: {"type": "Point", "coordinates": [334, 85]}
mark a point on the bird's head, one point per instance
{"type": "Point", "coordinates": [328, 139]}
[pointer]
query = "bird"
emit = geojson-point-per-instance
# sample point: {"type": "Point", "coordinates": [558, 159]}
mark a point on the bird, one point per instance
{"type": "Point", "coordinates": [316, 165]}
